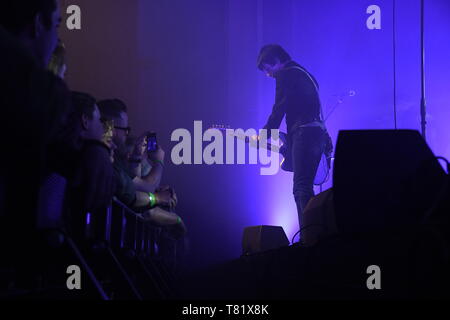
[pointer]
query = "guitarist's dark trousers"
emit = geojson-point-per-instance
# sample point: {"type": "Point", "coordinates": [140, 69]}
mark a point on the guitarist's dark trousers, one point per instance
{"type": "Point", "coordinates": [308, 144]}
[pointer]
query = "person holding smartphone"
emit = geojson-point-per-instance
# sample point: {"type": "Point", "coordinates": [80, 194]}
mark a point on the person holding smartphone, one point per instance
{"type": "Point", "coordinates": [137, 191]}
{"type": "Point", "coordinates": [147, 152]}
{"type": "Point", "coordinates": [146, 160]}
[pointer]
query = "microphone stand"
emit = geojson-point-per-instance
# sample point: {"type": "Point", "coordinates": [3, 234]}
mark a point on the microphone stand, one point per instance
{"type": "Point", "coordinates": [423, 109]}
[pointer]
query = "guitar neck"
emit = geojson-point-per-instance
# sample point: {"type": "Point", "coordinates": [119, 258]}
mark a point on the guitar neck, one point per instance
{"type": "Point", "coordinates": [247, 139]}
{"type": "Point", "coordinates": [258, 145]}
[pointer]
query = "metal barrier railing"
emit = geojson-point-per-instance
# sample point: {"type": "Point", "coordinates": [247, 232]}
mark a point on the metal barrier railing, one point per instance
{"type": "Point", "coordinates": [132, 242]}
{"type": "Point", "coordinates": [123, 228]}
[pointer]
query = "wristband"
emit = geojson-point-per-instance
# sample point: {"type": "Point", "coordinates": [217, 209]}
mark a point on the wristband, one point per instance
{"type": "Point", "coordinates": [152, 198]}
{"type": "Point", "coordinates": [178, 220]}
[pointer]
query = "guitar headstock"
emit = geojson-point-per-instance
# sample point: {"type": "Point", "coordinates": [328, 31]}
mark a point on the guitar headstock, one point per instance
{"type": "Point", "coordinates": [220, 127]}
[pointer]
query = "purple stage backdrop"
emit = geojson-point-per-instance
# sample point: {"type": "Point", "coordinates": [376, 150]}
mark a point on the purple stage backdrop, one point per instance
{"type": "Point", "coordinates": [176, 61]}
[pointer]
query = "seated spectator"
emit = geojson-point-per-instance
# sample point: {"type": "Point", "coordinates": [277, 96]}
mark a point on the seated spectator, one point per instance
{"type": "Point", "coordinates": [84, 134]}
{"type": "Point", "coordinates": [135, 160]}
{"type": "Point", "coordinates": [140, 192]}
{"type": "Point", "coordinates": [147, 167]}
{"type": "Point", "coordinates": [33, 101]}
{"type": "Point", "coordinates": [134, 154]}
{"type": "Point", "coordinates": [34, 104]}
{"type": "Point", "coordinates": [57, 64]}
{"type": "Point", "coordinates": [107, 138]}
{"type": "Point", "coordinates": [87, 116]}
{"type": "Point", "coordinates": [80, 155]}
{"type": "Point", "coordinates": [36, 101]}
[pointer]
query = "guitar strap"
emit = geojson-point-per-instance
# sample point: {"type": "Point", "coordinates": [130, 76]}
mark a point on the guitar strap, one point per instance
{"type": "Point", "coordinates": [314, 83]}
{"type": "Point", "coordinates": [329, 145]}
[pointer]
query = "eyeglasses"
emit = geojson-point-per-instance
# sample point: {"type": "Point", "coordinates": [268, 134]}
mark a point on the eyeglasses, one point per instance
{"type": "Point", "coordinates": [126, 129]}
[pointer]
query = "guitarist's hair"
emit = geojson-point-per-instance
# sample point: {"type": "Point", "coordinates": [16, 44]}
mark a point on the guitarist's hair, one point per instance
{"type": "Point", "coordinates": [270, 53]}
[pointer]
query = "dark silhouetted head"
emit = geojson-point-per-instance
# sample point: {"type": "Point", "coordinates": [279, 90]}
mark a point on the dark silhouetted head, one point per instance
{"type": "Point", "coordinates": [35, 23]}
{"type": "Point", "coordinates": [272, 58]}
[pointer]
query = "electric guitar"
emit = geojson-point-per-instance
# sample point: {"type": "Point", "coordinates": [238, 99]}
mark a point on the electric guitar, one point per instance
{"type": "Point", "coordinates": [286, 163]}
{"type": "Point", "coordinates": [284, 149]}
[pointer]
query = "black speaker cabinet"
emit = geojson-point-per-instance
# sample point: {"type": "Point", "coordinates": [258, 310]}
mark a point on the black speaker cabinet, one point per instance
{"type": "Point", "coordinates": [319, 218]}
{"type": "Point", "coordinates": [262, 238]}
{"type": "Point", "coordinates": [383, 179]}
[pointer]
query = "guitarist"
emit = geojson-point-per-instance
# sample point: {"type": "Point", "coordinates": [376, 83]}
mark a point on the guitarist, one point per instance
{"type": "Point", "coordinates": [297, 97]}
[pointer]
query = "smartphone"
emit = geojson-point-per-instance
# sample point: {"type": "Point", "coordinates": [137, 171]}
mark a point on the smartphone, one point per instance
{"type": "Point", "coordinates": [152, 145]}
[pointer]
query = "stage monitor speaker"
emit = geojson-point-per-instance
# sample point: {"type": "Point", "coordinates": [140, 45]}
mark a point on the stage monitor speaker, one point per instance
{"type": "Point", "coordinates": [262, 238]}
{"type": "Point", "coordinates": [319, 219]}
{"type": "Point", "coordinates": [383, 179]}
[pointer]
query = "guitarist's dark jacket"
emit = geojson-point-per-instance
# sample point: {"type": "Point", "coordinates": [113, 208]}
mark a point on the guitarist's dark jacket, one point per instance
{"type": "Point", "coordinates": [296, 97]}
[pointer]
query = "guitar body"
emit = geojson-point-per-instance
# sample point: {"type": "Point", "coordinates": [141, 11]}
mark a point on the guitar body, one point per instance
{"type": "Point", "coordinates": [284, 149]}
